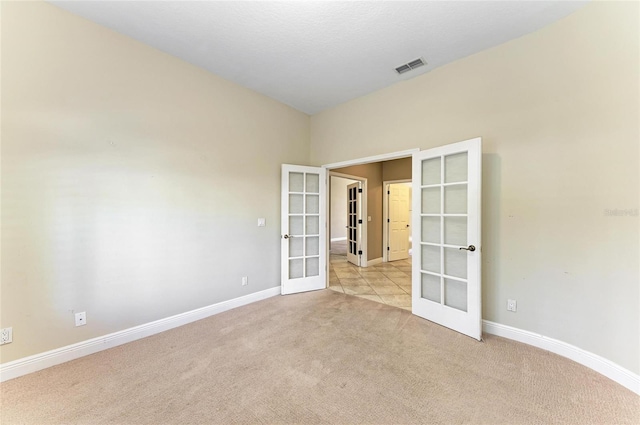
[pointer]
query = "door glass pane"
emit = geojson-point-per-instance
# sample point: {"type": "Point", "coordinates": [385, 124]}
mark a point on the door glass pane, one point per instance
{"type": "Point", "coordinates": [455, 294]}
{"type": "Point", "coordinates": [312, 246]}
{"type": "Point", "coordinates": [455, 168]}
{"type": "Point", "coordinates": [431, 200]}
{"type": "Point", "coordinates": [431, 258]}
{"type": "Point", "coordinates": [455, 231]}
{"type": "Point", "coordinates": [295, 247]}
{"type": "Point", "coordinates": [455, 199]}
{"type": "Point", "coordinates": [313, 225]}
{"type": "Point", "coordinates": [431, 287]}
{"type": "Point", "coordinates": [313, 266]}
{"type": "Point", "coordinates": [455, 262]}
{"type": "Point", "coordinates": [295, 204]}
{"type": "Point", "coordinates": [431, 171]}
{"type": "Point", "coordinates": [295, 268]}
{"type": "Point", "coordinates": [295, 225]}
{"type": "Point", "coordinates": [296, 182]}
{"type": "Point", "coordinates": [313, 183]}
{"type": "Point", "coordinates": [313, 204]}
{"type": "Point", "coordinates": [431, 229]}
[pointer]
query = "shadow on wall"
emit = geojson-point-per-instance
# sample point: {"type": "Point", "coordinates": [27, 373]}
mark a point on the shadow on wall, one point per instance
{"type": "Point", "coordinates": [491, 209]}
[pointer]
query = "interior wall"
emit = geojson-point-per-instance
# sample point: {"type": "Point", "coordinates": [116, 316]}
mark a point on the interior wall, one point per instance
{"type": "Point", "coordinates": [558, 113]}
{"type": "Point", "coordinates": [338, 209]}
{"type": "Point", "coordinates": [373, 173]}
{"type": "Point", "coordinates": [116, 168]}
{"type": "Point", "coordinates": [397, 169]}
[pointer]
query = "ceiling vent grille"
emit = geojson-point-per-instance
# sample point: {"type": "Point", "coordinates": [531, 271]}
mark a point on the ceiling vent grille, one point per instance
{"type": "Point", "coordinates": [417, 63]}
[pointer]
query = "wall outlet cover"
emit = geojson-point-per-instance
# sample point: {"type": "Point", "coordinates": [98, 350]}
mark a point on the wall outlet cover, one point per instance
{"type": "Point", "coordinates": [81, 318]}
{"type": "Point", "coordinates": [6, 335]}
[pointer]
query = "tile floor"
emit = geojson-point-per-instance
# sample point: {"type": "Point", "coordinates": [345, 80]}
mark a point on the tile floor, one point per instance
{"type": "Point", "coordinates": [387, 283]}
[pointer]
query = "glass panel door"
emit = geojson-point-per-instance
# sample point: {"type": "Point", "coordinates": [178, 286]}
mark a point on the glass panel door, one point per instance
{"type": "Point", "coordinates": [446, 215]}
{"type": "Point", "coordinates": [303, 228]}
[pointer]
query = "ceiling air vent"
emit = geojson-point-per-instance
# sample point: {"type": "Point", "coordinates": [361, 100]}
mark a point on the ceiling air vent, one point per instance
{"type": "Point", "coordinates": [411, 65]}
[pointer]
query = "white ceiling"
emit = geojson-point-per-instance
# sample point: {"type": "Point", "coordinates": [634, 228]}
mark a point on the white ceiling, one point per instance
{"type": "Point", "coordinates": [315, 55]}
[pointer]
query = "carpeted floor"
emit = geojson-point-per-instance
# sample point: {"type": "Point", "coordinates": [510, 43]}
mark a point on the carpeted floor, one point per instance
{"type": "Point", "coordinates": [319, 357]}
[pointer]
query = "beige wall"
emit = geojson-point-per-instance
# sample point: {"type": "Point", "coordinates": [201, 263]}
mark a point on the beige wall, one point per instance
{"type": "Point", "coordinates": [558, 112]}
{"type": "Point", "coordinates": [373, 174]}
{"type": "Point", "coordinates": [398, 169]}
{"type": "Point", "coordinates": [131, 181]}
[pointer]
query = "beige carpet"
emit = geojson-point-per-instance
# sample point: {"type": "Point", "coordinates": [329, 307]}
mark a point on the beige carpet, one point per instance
{"type": "Point", "coordinates": [320, 357]}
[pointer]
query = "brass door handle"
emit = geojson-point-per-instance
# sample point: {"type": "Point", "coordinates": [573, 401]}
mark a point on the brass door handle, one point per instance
{"type": "Point", "coordinates": [469, 248]}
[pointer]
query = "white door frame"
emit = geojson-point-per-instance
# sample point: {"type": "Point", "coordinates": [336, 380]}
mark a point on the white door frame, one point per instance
{"type": "Point", "coordinates": [363, 212]}
{"type": "Point", "coordinates": [366, 160]}
{"type": "Point", "coordinates": [385, 216]}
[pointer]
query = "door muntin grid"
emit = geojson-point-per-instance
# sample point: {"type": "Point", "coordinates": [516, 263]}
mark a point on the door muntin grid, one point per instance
{"type": "Point", "coordinates": [304, 225]}
{"type": "Point", "coordinates": [352, 221]}
{"type": "Point", "coordinates": [444, 230]}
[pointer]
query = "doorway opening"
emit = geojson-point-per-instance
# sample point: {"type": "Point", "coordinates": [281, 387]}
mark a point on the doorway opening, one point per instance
{"type": "Point", "coordinates": [375, 278]}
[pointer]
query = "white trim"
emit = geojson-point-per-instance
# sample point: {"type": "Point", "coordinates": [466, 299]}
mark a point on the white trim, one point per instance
{"type": "Point", "coordinates": [611, 370]}
{"type": "Point", "coordinates": [373, 262]}
{"type": "Point", "coordinates": [370, 159]}
{"type": "Point", "coordinates": [47, 359]}
{"type": "Point", "coordinates": [344, 238]}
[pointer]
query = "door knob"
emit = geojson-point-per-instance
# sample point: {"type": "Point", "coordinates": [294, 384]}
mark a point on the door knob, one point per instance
{"type": "Point", "coordinates": [469, 248]}
{"type": "Point", "coordinates": [287, 236]}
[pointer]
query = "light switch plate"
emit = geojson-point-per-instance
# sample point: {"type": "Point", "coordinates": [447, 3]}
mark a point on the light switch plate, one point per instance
{"type": "Point", "coordinates": [262, 222]}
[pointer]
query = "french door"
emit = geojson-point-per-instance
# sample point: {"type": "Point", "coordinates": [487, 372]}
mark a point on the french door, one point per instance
{"type": "Point", "coordinates": [446, 284]}
{"type": "Point", "coordinates": [398, 226]}
{"type": "Point", "coordinates": [353, 223]}
{"type": "Point", "coordinates": [303, 226]}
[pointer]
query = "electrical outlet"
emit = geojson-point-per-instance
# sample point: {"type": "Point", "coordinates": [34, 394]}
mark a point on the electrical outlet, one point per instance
{"type": "Point", "coordinates": [81, 319]}
{"type": "Point", "coordinates": [262, 222]}
{"type": "Point", "coordinates": [245, 280]}
{"type": "Point", "coordinates": [6, 335]}
{"type": "Point", "coordinates": [511, 305]}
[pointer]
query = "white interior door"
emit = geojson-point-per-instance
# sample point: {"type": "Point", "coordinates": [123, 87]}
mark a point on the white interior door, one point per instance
{"type": "Point", "coordinates": [353, 223]}
{"type": "Point", "coordinates": [304, 223]}
{"type": "Point", "coordinates": [446, 236]}
{"type": "Point", "coordinates": [399, 197]}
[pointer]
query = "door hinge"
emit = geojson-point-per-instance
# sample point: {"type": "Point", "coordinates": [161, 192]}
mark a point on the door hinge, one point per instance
{"type": "Point", "coordinates": [359, 190]}
{"type": "Point", "coordinates": [388, 221]}
{"type": "Point", "coordinates": [388, 192]}
{"type": "Point", "coordinates": [387, 248]}
{"type": "Point", "coordinates": [360, 252]}
{"type": "Point", "coordinates": [360, 221]}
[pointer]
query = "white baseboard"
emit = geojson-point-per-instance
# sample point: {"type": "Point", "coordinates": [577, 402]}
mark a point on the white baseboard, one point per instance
{"type": "Point", "coordinates": [344, 238]}
{"type": "Point", "coordinates": [47, 359]}
{"type": "Point", "coordinates": [611, 370]}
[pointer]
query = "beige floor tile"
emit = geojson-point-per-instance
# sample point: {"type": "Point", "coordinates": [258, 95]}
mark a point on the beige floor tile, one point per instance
{"type": "Point", "coordinates": [347, 274]}
{"type": "Point", "coordinates": [401, 280]}
{"type": "Point", "coordinates": [379, 281]}
{"type": "Point", "coordinates": [371, 298]}
{"type": "Point", "coordinates": [406, 288]}
{"type": "Point", "coordinates": [371, 274]}
{"type": "Point", "coordinates": [358, 281]}
{"type": "Point", "coordinates": [389, 290]}
{"type": "Point", "coordinates": [394, 273]}
{"type": "Point", "coordinates": [358, 290]}
{"type": "Point", "coordinates": [337, 288]}
{"type": "Point", "coordinates": [396, 300]}
{"type": "Point", "coordinates": [406, 269]}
